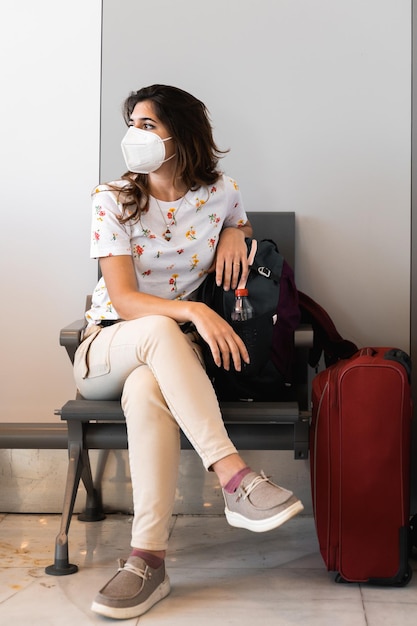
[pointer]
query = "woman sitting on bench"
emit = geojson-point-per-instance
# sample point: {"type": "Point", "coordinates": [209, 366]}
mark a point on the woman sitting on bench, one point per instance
{"type": "Point", "coordinates": [171, 218]}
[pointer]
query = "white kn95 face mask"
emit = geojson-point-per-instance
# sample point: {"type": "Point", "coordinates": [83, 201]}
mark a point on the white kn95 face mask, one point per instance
{"type": "Point", "coordinates": [143, 151]}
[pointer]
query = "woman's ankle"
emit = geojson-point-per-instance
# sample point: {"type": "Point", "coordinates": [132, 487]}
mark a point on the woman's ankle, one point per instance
{"type": "Point", "coordinates": [235, 481]}
{"type": "Point", "coordinates": [153, 558]}
{"type": "Point", "coordinates": [228, 467]}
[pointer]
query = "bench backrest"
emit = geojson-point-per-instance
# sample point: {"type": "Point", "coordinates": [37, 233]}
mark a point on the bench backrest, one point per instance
{"type": "Point", "coordinates": [280, 227]}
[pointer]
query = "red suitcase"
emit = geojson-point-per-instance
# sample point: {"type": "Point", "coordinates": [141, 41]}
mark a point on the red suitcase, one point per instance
{"type": "Point", "coordinates": [360, 466]}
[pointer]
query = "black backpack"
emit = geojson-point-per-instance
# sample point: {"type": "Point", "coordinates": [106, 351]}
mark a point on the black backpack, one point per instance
{"type": "Point", "coordinates": [268, 336]}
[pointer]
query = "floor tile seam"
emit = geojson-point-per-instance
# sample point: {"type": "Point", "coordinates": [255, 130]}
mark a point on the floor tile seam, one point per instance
{"type": "Point", "coordinates": [240, 567]}
{"type": "Point", "coordinates": [23, 566]}
{"type": "Point", "coordinates": [29, 568]}
{"type": "Point", "coordinates": [394, 602]}
{"type": "Point", "coordinates": [187, 565]}
{"type": "Point", "coordinates": [172, 527]}
{"type": "Point", "coordinates": [300, 516]}
{"type": "Point", "coordinates": [172, 566]}
{"type": "Point", "coordinates": [199, 516]}
{"type": "Point", "coordinates": [14, 593]}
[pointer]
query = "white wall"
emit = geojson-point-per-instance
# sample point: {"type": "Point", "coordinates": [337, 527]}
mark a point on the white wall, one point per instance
{"type": "Point", "coordinates": [50, 110]}
{"type": "Point", "coordinates": [313, 98]}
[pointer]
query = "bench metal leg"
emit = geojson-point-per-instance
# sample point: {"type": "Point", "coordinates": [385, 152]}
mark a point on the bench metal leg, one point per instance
{"type": "Point", "coordinates": [79, 468]}
{"type": "Point", "coordinates": [93, 511]}
{"type": "Point", "coordinates": [61, 565]}
{"type": "Point", "coordinates": [301, 437]}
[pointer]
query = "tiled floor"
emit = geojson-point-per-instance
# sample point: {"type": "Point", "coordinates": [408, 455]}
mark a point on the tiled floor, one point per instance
{"type": "Point", "coordinates": [220, 576]}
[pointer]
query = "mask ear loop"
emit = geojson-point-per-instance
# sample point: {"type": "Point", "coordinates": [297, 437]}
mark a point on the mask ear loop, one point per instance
{"type": "Point", "coordinates": [251, 258]}
{"type": "Point", "coordinates": [169, 158]}
{"type": "Point", "coordinates": [172, 155]}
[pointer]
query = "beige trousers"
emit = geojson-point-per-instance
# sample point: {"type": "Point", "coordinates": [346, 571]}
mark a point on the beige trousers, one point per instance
{"type": "Point", "coordinates": [157, 371]}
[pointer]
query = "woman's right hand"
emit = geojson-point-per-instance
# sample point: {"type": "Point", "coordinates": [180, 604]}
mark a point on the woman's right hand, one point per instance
{"type": "Point", "coordinates": [225, 345]}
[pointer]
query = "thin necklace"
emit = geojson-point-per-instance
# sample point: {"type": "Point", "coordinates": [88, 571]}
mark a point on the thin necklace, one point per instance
{"type": "Point", "coordinates": [172, 215]}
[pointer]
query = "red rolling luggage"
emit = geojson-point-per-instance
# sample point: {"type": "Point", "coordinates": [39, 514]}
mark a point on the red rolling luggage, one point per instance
{"type": "Point", "coordinates": [360, 466]}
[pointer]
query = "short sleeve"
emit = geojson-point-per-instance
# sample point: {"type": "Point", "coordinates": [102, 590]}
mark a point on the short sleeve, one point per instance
{"type": "Point", "coordinates": [109, 237]}
{"type": "Point", "coordinates": [236, 215]}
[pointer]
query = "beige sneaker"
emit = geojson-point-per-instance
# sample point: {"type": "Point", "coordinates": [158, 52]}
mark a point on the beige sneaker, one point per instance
{"type": "Point", "coordinates": [260, 505]}
{"type": "Point", "coordinates": [132, 591]}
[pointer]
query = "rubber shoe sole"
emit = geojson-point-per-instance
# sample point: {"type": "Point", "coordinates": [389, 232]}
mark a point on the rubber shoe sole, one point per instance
{"type": "Point", "coordinates": [263, 525]}
{"type": "Point", "coordinates": [160, 593]}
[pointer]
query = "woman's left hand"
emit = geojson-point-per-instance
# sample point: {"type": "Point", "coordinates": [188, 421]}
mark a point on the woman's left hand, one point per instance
{"type": "Point", "coordinates": [231, 261]}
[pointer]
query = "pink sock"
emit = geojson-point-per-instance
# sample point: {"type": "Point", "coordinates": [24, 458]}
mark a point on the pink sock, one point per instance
{"type": "Point", "coordinates": [235, 481]}
{"type": "Point", "coordinates": [150, 559]}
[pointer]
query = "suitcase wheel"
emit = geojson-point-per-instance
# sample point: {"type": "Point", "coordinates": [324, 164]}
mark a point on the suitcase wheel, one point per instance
{"type": "Point", "coordinates": [384, 582]}
{"type": "Point", "coordinates": [406, 578]}
{"type": "Point", "coordinates": [339, 579]}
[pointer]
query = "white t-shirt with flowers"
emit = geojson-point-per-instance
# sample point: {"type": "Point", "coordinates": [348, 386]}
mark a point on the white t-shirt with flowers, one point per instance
{"type": "Point", "coordinates": [170, 265]}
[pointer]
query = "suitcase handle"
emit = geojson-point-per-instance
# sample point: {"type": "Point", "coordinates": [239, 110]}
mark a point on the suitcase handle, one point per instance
{"type": "Point", "coordinates": [392, 354]}
{"type": "Point", "coordinates": [367, 352]}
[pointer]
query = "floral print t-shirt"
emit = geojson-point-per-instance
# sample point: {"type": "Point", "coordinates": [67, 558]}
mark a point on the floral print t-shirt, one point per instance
{"type": "Point", "coordinates": [172, 245]}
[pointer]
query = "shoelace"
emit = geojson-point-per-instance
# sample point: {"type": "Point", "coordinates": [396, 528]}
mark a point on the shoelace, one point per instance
{"type": "Point", "coordinates": [261, 478]}
{"type": "Point", "coordinates": [124, 565]}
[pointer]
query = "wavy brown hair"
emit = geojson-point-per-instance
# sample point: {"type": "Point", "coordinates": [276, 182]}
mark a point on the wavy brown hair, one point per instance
{"type": "Point", "coordinates": [187, 120]}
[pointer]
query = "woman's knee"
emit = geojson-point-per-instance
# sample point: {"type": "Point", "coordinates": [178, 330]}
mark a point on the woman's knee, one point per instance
{"type": "Point", "coordinates": [140, 381]}
{"type": "Point", "coordinates": [141, 392]}
{"type": "Point", "coordinates": [142, 399]}
{"type": "Point", "coordinates": [145, 331]}
{"type": "Point", "coordinates": [156, 335]}
{"type": "Point", "coordinates": [160, 326]}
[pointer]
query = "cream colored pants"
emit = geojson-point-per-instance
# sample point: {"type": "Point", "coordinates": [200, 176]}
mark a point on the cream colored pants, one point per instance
{"type": "Point", "coordinates": [157, 371]}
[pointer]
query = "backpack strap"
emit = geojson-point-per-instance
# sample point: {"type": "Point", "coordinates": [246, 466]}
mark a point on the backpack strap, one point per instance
{"type": "Point", "coordinates": [326, 338]}
{"type": "Point", "coordinates": [263, 270]}
{"type": "Point", "coordinates": [251, 259]}
{"type": "Point", "coordinates": [254, 265]}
